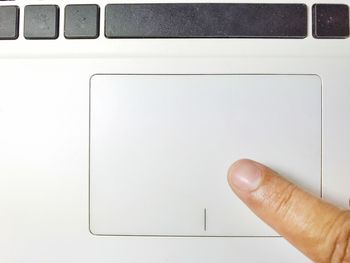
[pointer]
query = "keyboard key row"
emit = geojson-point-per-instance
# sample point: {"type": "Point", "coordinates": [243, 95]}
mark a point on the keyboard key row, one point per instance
{"type": "Point", "coordinates": [192, 20]}
{"type": "Point", "coordinates": [42, 22]}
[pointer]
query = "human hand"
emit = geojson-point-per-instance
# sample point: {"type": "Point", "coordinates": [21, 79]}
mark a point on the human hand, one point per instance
{"type": "Point", "coordinates": [318, 229]}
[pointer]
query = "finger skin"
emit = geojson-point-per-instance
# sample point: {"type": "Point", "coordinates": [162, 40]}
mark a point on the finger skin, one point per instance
{"type": "Point", "coordinates": [318, 229]}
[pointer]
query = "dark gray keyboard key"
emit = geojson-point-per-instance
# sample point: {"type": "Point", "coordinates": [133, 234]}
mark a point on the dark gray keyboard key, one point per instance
{"type": "Point", "coordinates": [82, 21]}
{"type": "Point", "coordinates": [330, 21]}
{"type": "Point", "coordinates": [9, 21]}
{"type": "Point", "coordinates": [206, 20]}
{"type": "Point", "coordinates": [41, 21]}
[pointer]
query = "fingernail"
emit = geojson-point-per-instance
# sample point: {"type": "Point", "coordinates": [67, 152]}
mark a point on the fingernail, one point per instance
{"type": "Point", "coordinates": [245, 175]}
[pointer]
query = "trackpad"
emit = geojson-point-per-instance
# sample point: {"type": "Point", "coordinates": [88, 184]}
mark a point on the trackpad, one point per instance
{"type": "Point", "coordinates": [161, 145]}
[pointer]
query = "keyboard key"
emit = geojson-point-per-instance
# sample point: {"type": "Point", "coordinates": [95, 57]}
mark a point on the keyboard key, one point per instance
{"type": "Point", "coordinates": [205, 20]}
{"type": "Point", "coordinates": [82, 21]}
{"type": "Point", "coordinates": [41, 21]}
{"type": "Point", "coordinates": [330, 21]}
{"type": "Point", "coordinates": [9, 21]}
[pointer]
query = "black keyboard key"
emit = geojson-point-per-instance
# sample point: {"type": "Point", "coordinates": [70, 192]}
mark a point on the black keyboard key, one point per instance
{"type": "Point", "coordinates": [330, 21]}
{"type": "Point", "coordinates": [206, 20]}
{"type": "Point", "coordinates": [82, 21]}
{"type": "Point", "coordinates": [9, 21]}
{"type": "Point", "coordinates": [41, 21]}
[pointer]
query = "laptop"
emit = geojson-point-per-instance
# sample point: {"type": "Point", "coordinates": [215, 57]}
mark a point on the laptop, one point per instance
{"type": "Point", "coordinates": [119, 121]}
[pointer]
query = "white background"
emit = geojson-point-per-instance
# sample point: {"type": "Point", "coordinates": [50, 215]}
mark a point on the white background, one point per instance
{"type": "Point", "coordinates": [44, 120]}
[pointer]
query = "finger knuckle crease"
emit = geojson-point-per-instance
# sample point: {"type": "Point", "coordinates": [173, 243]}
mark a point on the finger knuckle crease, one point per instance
{"type": "Point", "coordinates": [284, 202]}
{"type": "Point", "coordinates": [340, 252]}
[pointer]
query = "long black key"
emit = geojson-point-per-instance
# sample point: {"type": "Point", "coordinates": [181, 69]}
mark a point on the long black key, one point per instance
{"type": "Point", "coordinates": [206, 20]}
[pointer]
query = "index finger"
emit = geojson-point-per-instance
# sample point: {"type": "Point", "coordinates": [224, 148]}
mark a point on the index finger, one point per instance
{"type": "Point", "coordinates": [318, 229]}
